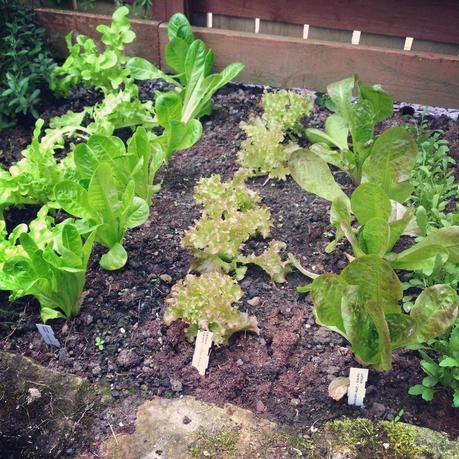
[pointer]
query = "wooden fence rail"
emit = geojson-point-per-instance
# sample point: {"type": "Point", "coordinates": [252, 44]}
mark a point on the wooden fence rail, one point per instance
{"type": "Point", "coordinates": [426, 71]}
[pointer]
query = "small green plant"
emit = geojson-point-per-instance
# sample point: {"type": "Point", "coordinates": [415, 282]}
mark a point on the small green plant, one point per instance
{"type": "Point", "coordinates": [440, 361]}
{"type": "Point", "coordinates": [379, 231]}
{"type": "Point", "coordinates": [107, 205]}
{"type": "Point", "coordinates": [49, 265]}
{"type": "Point", "coordinates": [286, 109]}
{"type": "Point", "coordinates": [105, 71]}
{"type": "Point", "coordinates": [206, 303]}
{"type": "Point", "coordinates": [100, 343]}
{"type": "Point", "coordinates": [265, 151]}
{"type": "Point", "coordinates": [25, 63]}
{"type": "Point", "coordinates": [433, 180]}
{"type": "Point", "coordinates": [231, 215]}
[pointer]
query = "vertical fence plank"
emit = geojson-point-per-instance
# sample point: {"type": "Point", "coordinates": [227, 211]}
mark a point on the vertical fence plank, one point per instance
{"type": "Point", "coordinates": [164, 9]}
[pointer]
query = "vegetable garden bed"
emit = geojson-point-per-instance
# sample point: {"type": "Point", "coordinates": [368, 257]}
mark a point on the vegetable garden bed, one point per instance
{"type": "Point", "coordinates": [282, 374]}
{"type": "Point", "coordinates": [116, 194]}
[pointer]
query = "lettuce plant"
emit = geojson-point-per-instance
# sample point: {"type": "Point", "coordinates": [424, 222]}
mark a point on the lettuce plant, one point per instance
{"type": "Point", "coordinates": [192, 62]}
{"type": "Point", "coordinates": [32, 179]}
{"type": "Point", "coordinates": [105, 70]}
{"type": "Point", "coordinates": [226, 223]}
{"type": "Point", "coordinates": [379, 231]}
{"type": "Point", "coordinates": [386, 160]}
{"type": "Point", "coordinates": [206, 303]}
{"type": "Point", "coordinates": [265, 151]}
{"type": "Point", "coordinates": [362, 304]}
{"type": "Point", "coordinates": [50, 264]}
{"type": "Point", "coordinates": [107, 204]}
{"type": "Point", "coordinates": [286, 109]}
{"type": "Point", "coordinates": [139, 162]}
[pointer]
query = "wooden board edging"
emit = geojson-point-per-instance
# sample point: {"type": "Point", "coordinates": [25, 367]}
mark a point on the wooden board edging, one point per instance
{"type": "Point", "coordinates": [416, 77]}
{"type": "Point", "coordinates": [59, 23]}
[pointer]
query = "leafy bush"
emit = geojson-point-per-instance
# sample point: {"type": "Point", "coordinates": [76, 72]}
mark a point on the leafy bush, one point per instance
{"type": "Point", "coordinates": [265, 151]}
{"type": "Point", "coordinates": [216, 238]}
{"type": "Point", "coordinates": [443, 369]}
{"type": "Point", "coordinates": [50, 264]}
{"type": "Point", "coordinates": [25, 63]}
{"type": "Point", "coordinates": [386, 160]}
{"type": "Point", "coordinates": [205, 303]}
{"type": "Point", "coordinates": [362, 304]}
{"type": "Point", "coordinates": [109, 206]}
{"type": "Point", "coordinates": [380, 230]}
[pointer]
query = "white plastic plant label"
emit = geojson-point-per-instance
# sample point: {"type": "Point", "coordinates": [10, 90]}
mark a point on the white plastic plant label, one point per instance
{"type": "Point", "coordinates": [47, 334]}
{"type": "Point", "coordinates": [202, 351]}
{"type": "Point", "coordinates": [356, 393]}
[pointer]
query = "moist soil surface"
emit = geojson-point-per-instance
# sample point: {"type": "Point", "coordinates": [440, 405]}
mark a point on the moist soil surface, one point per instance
{"type": "Point", "coordinates": [282, 374]}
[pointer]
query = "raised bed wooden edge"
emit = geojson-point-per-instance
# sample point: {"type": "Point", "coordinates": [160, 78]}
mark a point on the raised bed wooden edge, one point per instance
{"type": "Point", "coordinates": [59, 23]}
{"type": "Point", "coordinates": [410, 76]}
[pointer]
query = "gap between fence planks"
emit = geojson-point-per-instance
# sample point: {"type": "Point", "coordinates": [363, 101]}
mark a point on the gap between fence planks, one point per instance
{"type": "Point", "coordinates": [435, 20]}
{"type": "Point", "coordinates": [423, 78]}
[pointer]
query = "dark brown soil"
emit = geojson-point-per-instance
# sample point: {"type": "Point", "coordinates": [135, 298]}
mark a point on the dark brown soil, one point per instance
{"type": "Point", "coordinates": [282, 374]}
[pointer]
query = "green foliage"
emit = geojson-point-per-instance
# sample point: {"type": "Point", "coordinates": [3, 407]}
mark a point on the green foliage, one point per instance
{"type": "Point", "coordinates": [379, 231]}
{"type": "Point", "coordinates": [286, 109]}
{"type": "Point", "coordinates": [139, 162]}
{"type": "Point", "coordinates": [50, 264]}
{"type": "Point", "coordinates": [270, 261]}
{"type": "Point", "coordinates": [443, 369]}
{"type": "Point", "coordinates": [32, 179]}
{"type": "Point", "coordinates": [362, 304]}
{"type": "Point", "coordinates": [193, 64]}
{"type": "Point", "coordinates": [107, 204]}
{"type": "Point", "coordinates": [262, 152]}
{"type": "Point", "coordinates": [105, 70]}
{"type": "Point", "coordinates": [216, 238]}
{"type": "Point", "coordinates": [386, 160]}
{"type": "Point", "coordinates": [206, 303]}
{"type": "Point", "coordinates": [25, 63]}
{"type": "Point", "coordinates": [265, 151]}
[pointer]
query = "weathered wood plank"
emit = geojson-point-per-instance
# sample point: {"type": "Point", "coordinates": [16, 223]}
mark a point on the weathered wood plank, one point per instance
{"type": "Point", "coordinates": [417, 77]}
{"type": "Point", "coordinates": [435, 20]}
{"type": "Point", "coordinates": [164, 9]}
{"type": "Point", "coordinates": [58, 23]}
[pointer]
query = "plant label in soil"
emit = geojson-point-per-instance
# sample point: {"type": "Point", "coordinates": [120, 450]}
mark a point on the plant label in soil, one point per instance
{"type": "Point", "coordinates": [47, 334]}
{"type": "Point", "coordinates": [356, 392]}
{"type": "Point", "coordinates": [202, 351]}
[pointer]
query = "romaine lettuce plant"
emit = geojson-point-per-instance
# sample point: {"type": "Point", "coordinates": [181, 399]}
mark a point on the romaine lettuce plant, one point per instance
{"type": "Point", "coordinates": [379, 231]}
{"type": "Point", "coordinates": [192, 62]}
{"type": "Point", "coordinates": [206, 303]}
{"type": "Point", "coordinates": [50, 264]}
{"type": "Point", "coordinates": [139, 163]}
{"type": "Point", "coordinates": [386, 160]}
{"type": "Point", "coordinates": [107, 204]}
{"type": "Point", "coordinates": [362, 304]}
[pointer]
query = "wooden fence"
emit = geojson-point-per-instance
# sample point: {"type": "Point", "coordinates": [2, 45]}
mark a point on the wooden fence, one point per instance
{"type": "Point", "coordinates": [411, 47]}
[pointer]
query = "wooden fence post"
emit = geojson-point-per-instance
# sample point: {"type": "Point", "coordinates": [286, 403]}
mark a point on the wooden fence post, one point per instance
{"type": "Point", "coordinates": [164, 9]}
